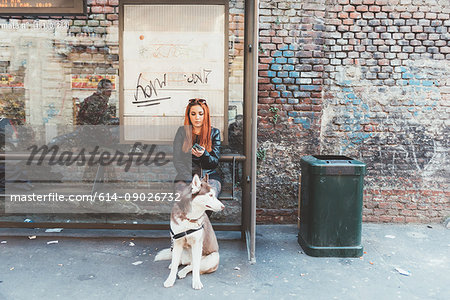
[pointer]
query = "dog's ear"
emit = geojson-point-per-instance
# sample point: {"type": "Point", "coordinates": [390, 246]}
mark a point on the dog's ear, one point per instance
{"type": "Point", "coordinates": [206, 178]}
{"type": "Point", "coordinates": [196, 184]}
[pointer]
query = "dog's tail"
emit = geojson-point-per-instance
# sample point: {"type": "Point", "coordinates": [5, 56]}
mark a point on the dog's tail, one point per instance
{"type": "Point", "coordinates": [165, 254]}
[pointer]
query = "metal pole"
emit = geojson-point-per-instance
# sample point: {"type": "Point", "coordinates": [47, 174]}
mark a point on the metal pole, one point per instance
{"type": "Point", "coordinates": [251, 98]}
{"type": "Point", "coordinates": [254, 128]}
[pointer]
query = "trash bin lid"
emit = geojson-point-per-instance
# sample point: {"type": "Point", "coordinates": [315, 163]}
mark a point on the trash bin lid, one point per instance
{"type": "Point", "coordinates": [334, 165]}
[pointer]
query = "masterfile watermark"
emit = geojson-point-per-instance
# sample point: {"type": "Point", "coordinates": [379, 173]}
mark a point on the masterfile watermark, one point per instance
{"type": "Point", "coordinates": [54, 156]}
{"type": "Point", "coordinates": [88, 169]}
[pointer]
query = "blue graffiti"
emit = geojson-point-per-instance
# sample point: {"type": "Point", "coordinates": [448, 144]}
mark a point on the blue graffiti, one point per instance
{"type": "Point", "coordinates": [419, 83]}
{"type": "Point", "coordinates": [355, 113]}
{"type": "Point", "coordinates": [51, 113]}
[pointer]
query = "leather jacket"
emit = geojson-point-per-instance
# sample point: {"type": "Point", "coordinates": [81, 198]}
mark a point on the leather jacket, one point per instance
{"type": "Point", "coordinates": [187, 164]}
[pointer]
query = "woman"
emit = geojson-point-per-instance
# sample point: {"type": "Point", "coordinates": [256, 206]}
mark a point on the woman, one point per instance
{"type": "Point", "coordinates": [189, 159]}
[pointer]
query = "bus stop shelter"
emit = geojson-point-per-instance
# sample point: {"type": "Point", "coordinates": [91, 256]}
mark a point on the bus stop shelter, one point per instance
{"type": "Point", "coordinates": [246, 160]}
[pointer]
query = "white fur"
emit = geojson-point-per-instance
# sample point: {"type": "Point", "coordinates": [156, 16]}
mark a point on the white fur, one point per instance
{"type": "Point", "coordinates": [194, 261]}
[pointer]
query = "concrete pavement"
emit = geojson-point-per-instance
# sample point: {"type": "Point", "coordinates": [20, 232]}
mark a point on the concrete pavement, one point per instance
{"type": "Point", "coordinates": [98, 264]}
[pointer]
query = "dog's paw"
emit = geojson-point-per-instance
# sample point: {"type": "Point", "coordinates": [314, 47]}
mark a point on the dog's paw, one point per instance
{"type": "Point", "coordinates": [169, 282]}
{"type": "Point", "coordinates": [183, 272]}
{"type": "Point", "coordinates": [197, 284]}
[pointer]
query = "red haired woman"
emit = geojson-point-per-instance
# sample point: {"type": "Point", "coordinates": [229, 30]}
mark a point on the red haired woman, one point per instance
{"type": "Point", "coordinates": [197, 146]}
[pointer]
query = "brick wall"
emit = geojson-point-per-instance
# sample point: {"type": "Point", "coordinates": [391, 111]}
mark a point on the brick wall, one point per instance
{"type": "Point", "coordinates": [291, 55]}
{"type": "Point", "coordinates": [372, 84]}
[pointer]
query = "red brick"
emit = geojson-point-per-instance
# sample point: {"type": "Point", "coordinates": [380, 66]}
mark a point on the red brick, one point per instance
{"type": "Point", "coordinates": [287, 107]}
{"type": "Point", "coordinates": [399, 219]}
{"type": "Point", "coordinates": [386, 219]}
{"type": "Point", "coordinates": [411, 206]}
{"type": "Point", "coordinates": [266, 87]}
{"type": "Point", "coordinates": [267, 32]}
{"type": "Point", "coordinates": [266, 100]}
{"type": "Point", "coordinates": [335, 22]}
{"type": "Point", "coordinates": [113, 2]}
{"type": "Point", "coordinates": [343, 15]}
{"type": "Point", "coordinates": [398, 205]}
{"type": "Point", "coordinates": [374, 8]}
{"type": "Point", "coordinates": [268, 46]}
{"type": "Point", "coordinates": [304, 54]}
{"type": "Point", "coordinates": [348, 22]}
{"type": "Point", "coordinates": [302, 107]}
{"type": "Point", "coordinates": [371, 219]}
{"type": "Point", "coordinates": [319, 68]}
{"type": "Point", "coordinates": [384, 205]}
{"type": "Point", "coordinates": [369, 128]}
{"type": "Point", "coordinates": [266, 60]}
{"type": "Point", "coordinates": [368, 1]}
{"type": "Point", "coordinates": [332, 10]}
{"type": "Point", "coordinates": [368, 15]}
{"type": "Point", "coordinates": [108, 9]}
{"type": "Point", "coordinates": [405, 15]}
{"type": "Point", "coordinates": [406, 212]}
{"type": "Point", "coordinates": [362, 8]}
{"type": "Point", "coordinates": [349, 8]}
{"type": "Point", "coordinates": [413, 220]}
{"type": "Point", "coordinates": [355, 15]}
{"type": "Point", "coordinates": [96, 9]}
{"type": "Point", "coordinates": [348, 61]}
{"type": "Point", "coordinates": [277, 40]}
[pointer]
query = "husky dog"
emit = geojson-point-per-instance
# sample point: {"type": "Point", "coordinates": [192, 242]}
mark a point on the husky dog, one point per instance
{"type": "Point", "coordinates": [194, 241]}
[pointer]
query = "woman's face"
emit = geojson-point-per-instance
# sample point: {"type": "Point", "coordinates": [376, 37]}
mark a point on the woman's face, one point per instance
{"type": "Point", "coordinates": [196, 115]}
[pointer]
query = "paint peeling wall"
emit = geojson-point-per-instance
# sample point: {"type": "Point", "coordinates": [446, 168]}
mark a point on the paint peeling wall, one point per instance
{"type": "Point", "coordinates": [400, 132]}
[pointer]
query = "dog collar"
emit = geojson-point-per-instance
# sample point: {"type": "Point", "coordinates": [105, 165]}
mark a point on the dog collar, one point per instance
{"type": "Point", "coordinates": [182, 234]}
{"type": "Point", "coordinates": [193, 220]}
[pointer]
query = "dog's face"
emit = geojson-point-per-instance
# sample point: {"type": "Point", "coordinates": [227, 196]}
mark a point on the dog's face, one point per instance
{"type": "Point", "coordinates": [204, 196]}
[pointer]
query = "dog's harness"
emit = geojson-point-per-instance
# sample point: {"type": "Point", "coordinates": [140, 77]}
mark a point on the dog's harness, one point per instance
{"type": "Point", "coordinates": [182, 234]}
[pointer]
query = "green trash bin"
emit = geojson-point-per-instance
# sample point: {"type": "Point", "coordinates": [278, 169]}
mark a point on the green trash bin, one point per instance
{"type": "Point", "coordinates": [331, 206]}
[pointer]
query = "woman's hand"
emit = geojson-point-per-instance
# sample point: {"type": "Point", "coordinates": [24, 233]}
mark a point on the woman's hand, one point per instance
{"type": "Point", "coordinates": [198, 153]}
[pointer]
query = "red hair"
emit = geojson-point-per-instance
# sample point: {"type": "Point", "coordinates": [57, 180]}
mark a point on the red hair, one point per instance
{"type": "Point", "coordinates": [205, 132]}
